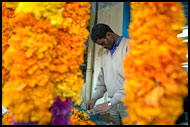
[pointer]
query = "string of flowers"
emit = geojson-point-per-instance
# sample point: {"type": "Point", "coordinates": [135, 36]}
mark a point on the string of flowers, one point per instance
{"type": "Point", "coordinates": [7, 31]}
{"type": "Point", "coordinates": [80, 118]}
{"type": "Point", "coordinates": [155, 82]}
{"type": "Point", "coordinates": [43, 58]}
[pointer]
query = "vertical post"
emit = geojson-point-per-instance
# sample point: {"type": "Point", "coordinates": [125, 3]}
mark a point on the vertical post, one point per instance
{"type": "Point", "coordinates": [126, 19]}
{"type": "Point", "coordinates": [90, 56]}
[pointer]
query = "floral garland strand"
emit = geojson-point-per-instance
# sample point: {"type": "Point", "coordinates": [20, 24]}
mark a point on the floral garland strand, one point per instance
{"type": "Point", "coordinates": [29, 86]}
{"type": "Point", "coordinates": [7, 31]}
{"type": "Point", "coordinates": [155, 83]}
{"type": "Point", "coordinates": [75, 16]}
{"type": "Point", "coordinates": [49, 58]}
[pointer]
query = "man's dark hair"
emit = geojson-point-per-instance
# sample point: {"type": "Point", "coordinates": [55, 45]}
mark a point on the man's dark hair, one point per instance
{"type": "Point", "coordinates": [99, 31]}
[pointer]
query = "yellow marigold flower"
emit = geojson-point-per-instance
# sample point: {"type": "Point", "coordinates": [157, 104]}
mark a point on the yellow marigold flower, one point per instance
{"type": "Point", "coordinates": [52, 11]}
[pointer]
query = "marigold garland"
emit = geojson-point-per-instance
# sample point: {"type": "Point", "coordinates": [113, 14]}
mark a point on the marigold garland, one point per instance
{"type": "Point", "coordinates": [80, 118]}
{"type": "Point", "coordinates": [47, 54]}
{"type": "Point", "coordinates": [155, 82]}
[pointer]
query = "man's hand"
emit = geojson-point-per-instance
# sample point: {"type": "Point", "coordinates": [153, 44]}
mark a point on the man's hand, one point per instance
{"type": "Point", "coordinates": [100, 108]}
{"type": "Point", "coordinates": [90, 104]}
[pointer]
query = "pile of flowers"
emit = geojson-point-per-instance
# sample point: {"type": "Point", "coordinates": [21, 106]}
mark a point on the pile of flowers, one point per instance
{"type": "Point", "coordinates": [156, 82]}
{"type": "Point", "coordinates": [7, 119]}
{"type": "Point", "coordinates": [43, 59]}
{"type": "Point", "coordinates": [80, 118]}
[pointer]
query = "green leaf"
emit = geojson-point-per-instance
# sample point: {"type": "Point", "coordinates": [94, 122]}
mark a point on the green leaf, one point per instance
{"type": "Point", "coordinates": [81, 117]}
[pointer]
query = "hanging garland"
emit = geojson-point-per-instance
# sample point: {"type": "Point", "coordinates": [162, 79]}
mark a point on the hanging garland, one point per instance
{"type": "Point", "coordinates": [43, 58]}
{"type": "Point", "coordinates": [155, 82]}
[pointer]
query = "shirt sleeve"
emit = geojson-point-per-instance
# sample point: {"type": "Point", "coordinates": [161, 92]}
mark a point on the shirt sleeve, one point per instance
{"type": "Point", "coordinates": [117, 97]}
{"type": "Point", "coordinates": [100, 88]}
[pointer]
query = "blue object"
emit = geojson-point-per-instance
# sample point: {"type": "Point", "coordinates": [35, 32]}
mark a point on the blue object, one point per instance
{"type": "Point", "coordinates": [96, 118]}
{"type": "Point", "coordinates": [185, 9]}
{"type": "Point", "coordinates": [116, 45]}
{"type": "Point", "coordinates": [126, 19]}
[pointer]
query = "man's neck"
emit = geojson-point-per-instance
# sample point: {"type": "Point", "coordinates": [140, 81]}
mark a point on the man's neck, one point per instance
{"type": "Point", "coordinates": [116, 37]}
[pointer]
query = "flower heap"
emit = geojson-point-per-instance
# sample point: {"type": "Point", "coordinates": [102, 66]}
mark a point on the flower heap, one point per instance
{"type": "Point", "coordinates": [43, 58]}
{"type": "Point", "coordinates": [6, 120]}
{"type": "Point", "coordinates": [155, 82]}
{"type": "Point", "coordinates": [80, 118]}
{"type": "Point", "coordinates": [7, 31]}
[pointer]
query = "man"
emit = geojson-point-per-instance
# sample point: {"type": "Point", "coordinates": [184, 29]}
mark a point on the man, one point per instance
{"type": "Point", "coordinates": [110, 77]}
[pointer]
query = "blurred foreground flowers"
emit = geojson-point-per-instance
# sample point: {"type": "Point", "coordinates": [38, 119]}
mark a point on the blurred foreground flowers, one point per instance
{"type": "Point", "coordinates": [155, 82]}
{"type": "Point", "coordinates": [43, 56]}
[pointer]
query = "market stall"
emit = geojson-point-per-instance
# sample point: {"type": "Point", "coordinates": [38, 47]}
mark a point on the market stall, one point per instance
{"type": "Point", "coordinates": [43, 47]}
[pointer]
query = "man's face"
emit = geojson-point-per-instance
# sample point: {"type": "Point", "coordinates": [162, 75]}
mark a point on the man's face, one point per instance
{"type": "Point", "coordinates": [106, 43]}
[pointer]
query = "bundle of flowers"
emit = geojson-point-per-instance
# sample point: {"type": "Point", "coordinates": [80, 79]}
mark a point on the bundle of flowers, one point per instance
{"type": "Point", "coordinates": [80, 118]}
{"type": "Point", "coordinates": [156, 83]}
{"type": "Point", "coordinates": [43, 59]}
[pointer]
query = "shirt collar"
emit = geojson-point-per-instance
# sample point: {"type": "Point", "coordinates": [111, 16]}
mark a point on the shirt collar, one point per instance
{"type": "Point", "coordinates": [118, 41]}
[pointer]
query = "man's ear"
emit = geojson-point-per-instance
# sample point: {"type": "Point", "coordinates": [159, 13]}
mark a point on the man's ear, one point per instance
{"type": "Point", "coordinates": [109, 34]}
